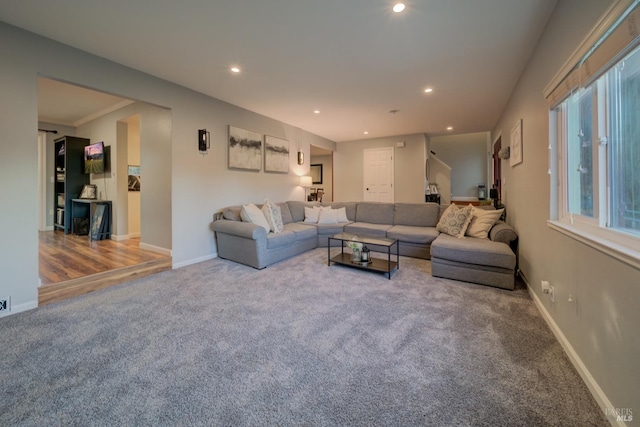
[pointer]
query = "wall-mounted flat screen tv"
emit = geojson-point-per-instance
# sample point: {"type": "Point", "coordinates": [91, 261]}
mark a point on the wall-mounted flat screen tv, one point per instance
{"type": "Point", "coordinates": [94, 158]}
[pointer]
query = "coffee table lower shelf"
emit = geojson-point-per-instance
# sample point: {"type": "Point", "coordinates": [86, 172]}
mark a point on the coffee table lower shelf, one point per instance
{"type": "Point", "coordinates": [379, 265]}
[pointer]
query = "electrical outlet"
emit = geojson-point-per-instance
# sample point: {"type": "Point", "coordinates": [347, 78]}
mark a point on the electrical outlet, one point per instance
{"type": "Point", "coordinates": [5, 305]}
{"type": "Point", "coordinates": [545, 286]}
{"type": "Point", "coordinates": [552, 293]}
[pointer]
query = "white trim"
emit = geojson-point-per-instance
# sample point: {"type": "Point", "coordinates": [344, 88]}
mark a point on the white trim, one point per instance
{"type": "Point", "coordinates": [599, 29]}
{"type": "Point", "coordinates": [157, 249]}
{"type": "Point", "coordinates": [120, 237]}
{"type": "Point", "coordinates": [20, 308]}
{"type": "Point", "coordinates": [592, 385]}
{"type": "Point", "coordinates": [619, 251]}
{"type": "Point", "coordinates": [42, 181]}
{"type": "Point", "coordinates": [195, 261]}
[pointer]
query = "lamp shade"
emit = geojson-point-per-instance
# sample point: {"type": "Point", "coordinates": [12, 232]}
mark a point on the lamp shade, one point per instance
{"type": "Point", "coordinates": [306, 181]}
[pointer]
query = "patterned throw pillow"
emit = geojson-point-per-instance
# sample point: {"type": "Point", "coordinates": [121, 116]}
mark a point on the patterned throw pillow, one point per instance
{"type": "Point", "coordinates": [455, 220]}
{"type": "Point", "coordinates": [273, 214]}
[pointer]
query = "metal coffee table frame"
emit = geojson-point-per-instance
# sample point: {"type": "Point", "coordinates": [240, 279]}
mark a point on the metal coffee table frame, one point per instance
{"type": "Point", "coordinates": [377, 264]}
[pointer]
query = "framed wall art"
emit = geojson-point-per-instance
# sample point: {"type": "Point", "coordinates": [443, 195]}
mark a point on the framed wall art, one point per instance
{"type": "Point", "coordinates": [316, 173]}
{"type": "Point", "coordinates": [245, 149]}
{"type": "Point", "coordinates": [276, 154]}
{"type": "Point", "coordinates": [516, 144]}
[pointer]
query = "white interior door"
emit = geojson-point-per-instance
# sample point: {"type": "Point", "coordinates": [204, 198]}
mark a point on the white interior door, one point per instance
{"type": "Point", "coordinates": [378, 175]}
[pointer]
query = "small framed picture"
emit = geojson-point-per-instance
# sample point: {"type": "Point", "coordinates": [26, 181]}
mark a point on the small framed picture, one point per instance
{"type": "Point", "coordinates": [88, 192]}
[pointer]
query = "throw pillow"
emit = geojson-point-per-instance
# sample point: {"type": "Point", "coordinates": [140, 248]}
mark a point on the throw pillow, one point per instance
{"type": "Point", "coordinates": [328, 216]}
{"type": "Point", "coordinates": [455, 220]}
{"type": "Point", "coordinates": [251, 213]}
{"type": "Point", "coordinates": [341, 215]}
{"type": "Point", "coordinates": [311, 214]}
{"type": "Point", "coordinates": [481, 222]}
{"type": "Point", "coordinates": [273, 214]}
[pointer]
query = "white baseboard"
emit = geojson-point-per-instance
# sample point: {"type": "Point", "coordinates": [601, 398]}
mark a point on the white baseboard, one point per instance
{"type": "Point", "coordinates": [588, 379]}
{"type": "Point", "coordinates": [195, 261]}
{"type": "Point", "coordinates": [121, 237]}
{"type": "Point", "coordinates": [15, 309]}
{"type": "Point", "coordinates": [158, 249]}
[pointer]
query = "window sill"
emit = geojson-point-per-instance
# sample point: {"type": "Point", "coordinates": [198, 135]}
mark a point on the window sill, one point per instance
{"type": "Point", "coordinates": [629, 256]}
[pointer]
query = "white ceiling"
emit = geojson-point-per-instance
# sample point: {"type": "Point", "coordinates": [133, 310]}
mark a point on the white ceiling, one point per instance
{"type": "Point", "coordinates": [353, 60]}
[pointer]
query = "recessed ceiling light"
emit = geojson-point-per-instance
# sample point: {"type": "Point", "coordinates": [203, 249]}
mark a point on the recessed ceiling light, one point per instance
{"type": "Point", "coordinates": [398, 7]}
{"type": "Point", "coordinates": [428, 90]}
{"type": "Point", "coordinates": [316, 111]}
{"type": "Point", "coordinates": [450, 128]}
{"type": "Point", "coordinates": [235, 69]}
{"type": "Point", "coordinates": [366, 132]}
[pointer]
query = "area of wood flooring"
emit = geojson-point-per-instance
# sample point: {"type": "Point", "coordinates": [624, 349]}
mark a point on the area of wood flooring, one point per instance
{"type": "Point", "coordinates": [70, 265]}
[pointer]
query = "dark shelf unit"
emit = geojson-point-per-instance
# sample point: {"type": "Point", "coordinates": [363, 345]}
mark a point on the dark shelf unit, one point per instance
{"type": "Point", "coordinates": [69, 178]}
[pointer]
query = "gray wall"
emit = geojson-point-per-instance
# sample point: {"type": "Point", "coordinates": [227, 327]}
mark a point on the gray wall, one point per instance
{"type": "Point", "coordinates": [199, 185]}
{"type": "Point", "coordinates": [409, 168]}
{"type": "Point", "coordinates": [155, 145]}
{"type": "Point", "coordinates": [601, 326]}
{"type": "Point", "coordinates": [467, 156]}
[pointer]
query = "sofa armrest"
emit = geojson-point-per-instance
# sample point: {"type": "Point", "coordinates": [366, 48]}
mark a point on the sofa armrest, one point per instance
{"type": "Point", "coordinates": [503, 232]}
{"type": "Point", "coordinates": [239, 228]}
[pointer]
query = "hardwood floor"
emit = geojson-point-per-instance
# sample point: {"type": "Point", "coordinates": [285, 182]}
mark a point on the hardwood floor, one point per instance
{"type": "Point", "coordinates": [70, 265]}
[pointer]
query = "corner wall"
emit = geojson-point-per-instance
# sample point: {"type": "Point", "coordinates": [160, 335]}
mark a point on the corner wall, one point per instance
{"type": "Point", "coordinates": [600, 327]}
{"type": "Point", "coordinates": [466, 154]}
{"type": "Point", "coordinates": [409, 168]}
{"type": "Point", "coordinates": [198, 185]}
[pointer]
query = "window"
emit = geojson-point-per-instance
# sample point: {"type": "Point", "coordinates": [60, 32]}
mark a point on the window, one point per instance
{"type": "Point", "coordinates": [599, 155]}
{"type": "Point", "coordinates": [624, 170]}
{"type": "Point", "coordinates": [596, 170]}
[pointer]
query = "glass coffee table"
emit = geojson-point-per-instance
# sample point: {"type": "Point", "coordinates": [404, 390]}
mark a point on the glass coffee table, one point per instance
{"type": "Point", "coordinates": [380, 265]}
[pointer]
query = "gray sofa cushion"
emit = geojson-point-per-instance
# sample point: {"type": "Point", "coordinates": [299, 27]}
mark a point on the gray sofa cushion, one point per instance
{"type": "Point", "coordinates": [302, 231]}
{"type": "Point", "coordinates": [286, 213]}
{"type": "Point", "coordinates": [470, 250]}
{"type": "Point", "coordinates": [277, 240]}
{"type": "Point", "coordinates": [416, 214]}
{"type": "Point", "coordinates": [375, 213]}
{"type": "Point", "coordinates": [407, 233]}
{"type": "Point", "coordinates": [330, 229]}
{"type": "Point", "coordinates": [367, 229]}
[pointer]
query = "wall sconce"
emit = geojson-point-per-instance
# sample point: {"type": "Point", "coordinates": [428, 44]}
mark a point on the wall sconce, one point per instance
{"type": "Point", "coordinates": [300, 158]}
{"type": "Point", "coordinates": [306, 181]}
{"type": "Point", "coordinates": [204, 141]}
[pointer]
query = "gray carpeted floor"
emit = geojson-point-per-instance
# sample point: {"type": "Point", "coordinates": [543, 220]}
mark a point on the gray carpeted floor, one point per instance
{"type": "Point", "coordinates": [297, 343]}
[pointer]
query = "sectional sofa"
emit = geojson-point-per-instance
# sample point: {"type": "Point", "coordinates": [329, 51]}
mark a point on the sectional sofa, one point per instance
{"type": "Point", "coordinates": [489, 261]}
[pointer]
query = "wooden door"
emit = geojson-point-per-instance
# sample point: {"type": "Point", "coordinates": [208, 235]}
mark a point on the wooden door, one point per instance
{"type": "Point", "coordinates": [497, 167]}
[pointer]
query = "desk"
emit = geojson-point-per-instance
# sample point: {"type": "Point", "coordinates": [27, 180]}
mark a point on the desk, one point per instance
{"type": "Point", "coordinates": [99, 225]}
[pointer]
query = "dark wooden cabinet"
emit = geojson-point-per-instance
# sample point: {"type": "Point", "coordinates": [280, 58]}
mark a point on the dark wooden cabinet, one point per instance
{"type": "Point", "coordinates": [69, 178]}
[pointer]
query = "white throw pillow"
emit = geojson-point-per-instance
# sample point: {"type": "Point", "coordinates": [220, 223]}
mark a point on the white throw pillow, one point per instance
{"type": "Point", "coordinates": [273, 214]}
{"type": "Point", "coordinates": [328, 216]}
{"type": "Point", "coordinates": [341, 214]}
{"type": "Point", "coordinates": [481, 222]}
{"type": "Point", "coordinates": [311, 214]}
{"type": "Point", "coordinates": [251, 213]}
